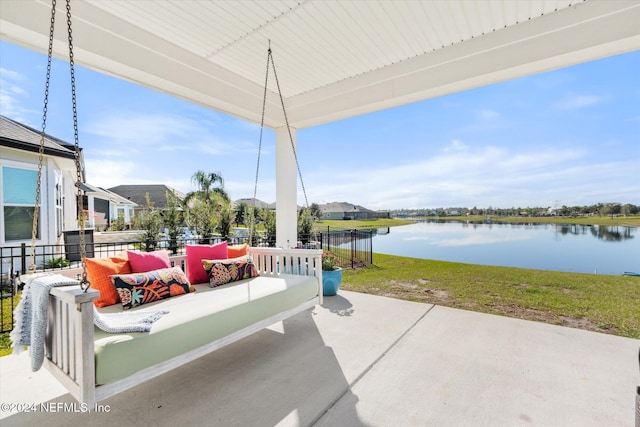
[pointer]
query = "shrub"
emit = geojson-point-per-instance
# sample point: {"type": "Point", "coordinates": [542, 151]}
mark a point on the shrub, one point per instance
{"type": "Point", "coordinates": [57, 263]}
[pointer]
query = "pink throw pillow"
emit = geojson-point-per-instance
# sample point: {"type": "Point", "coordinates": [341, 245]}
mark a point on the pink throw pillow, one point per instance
{"type": "Point", "coordinates": [196, 253]}
{"type": "Point", "coordinates": [141, 262]}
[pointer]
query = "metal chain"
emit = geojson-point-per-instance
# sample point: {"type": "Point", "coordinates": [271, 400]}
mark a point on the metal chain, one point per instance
{"type": "Point", "coordinates": [36, 208]}
{"type": "Point", "coordinates": [84, 282]}
{"type": "Point", "coordinates": [286, 120]}
{"type": "Point", "coordinates": [293, 148]}
{"type": "Point", "coordinates": [255, 186]}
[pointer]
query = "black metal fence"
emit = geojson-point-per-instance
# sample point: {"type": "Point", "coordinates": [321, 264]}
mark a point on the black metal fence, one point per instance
{"type": "Point", "coordinates": [352, 247]}
{"type": "Point", "coordinates": [15, 260]}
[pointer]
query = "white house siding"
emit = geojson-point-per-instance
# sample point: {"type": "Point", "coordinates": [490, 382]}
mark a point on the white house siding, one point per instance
{"type": "Point", "coordinates": [50, 230]}
{"type": "Point", "coordinates": [334, 215]}
{"type": "Point", "coordinates": [127, 211]}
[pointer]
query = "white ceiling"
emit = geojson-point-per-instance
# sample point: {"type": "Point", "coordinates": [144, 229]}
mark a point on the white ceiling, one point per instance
{"type": "Point", "coordinates": [335, 59]}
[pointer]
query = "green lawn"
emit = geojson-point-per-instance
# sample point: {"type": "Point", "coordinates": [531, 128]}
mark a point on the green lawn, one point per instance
{"type": "Point", "coordinates": [602, 303]}
{"type": "Point", "coordinates": [7, 310]}
{"type": "Point", "coordinates": [360, 224]}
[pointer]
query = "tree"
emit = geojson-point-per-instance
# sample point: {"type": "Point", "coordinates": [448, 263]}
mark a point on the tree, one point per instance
{"type": "Point", "coordinates": [315, 211]}
{"type": "Point", "coordinates": [207, 187]}
{"type": "Point", "coordinates": [269, 222]}
{"type": "Point", "coordinates": [250, 219]}
{"type": "Point", "coordinates": [149, 221]}
{"type": "Point", "coordinates": [240, 210]}
{"type": "Point", "coordinates": [226, 219]}
{"type": "Point", "coordinates": [305, 225]}
{"type": "Point", "coordinates": [205, 205]}
{"type": "Point", "coordinates": [171, 219]}
{"type": "Point", "coordinates": [203, 219]}
{"type": "Point", "coordinates": [118, 223]}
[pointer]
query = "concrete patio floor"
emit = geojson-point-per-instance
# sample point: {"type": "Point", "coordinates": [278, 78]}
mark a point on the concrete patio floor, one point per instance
{"type": "Point", "coordinates": [363, 360]}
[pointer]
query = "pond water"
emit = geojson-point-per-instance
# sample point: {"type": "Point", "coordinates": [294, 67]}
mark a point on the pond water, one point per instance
{"type": "Point", "coordinates": [574, 248]}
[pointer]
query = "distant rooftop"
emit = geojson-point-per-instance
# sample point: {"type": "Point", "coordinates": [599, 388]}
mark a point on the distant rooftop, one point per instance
{"type": "Point", "coordinates": [255, 202]}
{"type": "Point", "coordinates": [342, 207]}
{"type": "Point", "coordinates": [137, 193]}
{"type": "Point", "coordinates": [22, 137]}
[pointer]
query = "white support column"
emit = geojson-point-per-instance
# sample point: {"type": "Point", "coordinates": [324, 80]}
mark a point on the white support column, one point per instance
{"type": "Point", "coordinates": [286, 190]}
{"type": "Point", "coordinates": [92, 210]}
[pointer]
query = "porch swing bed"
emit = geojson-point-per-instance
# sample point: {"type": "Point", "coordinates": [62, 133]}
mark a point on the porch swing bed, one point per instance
{"type": "Point", "coordinates": [94, 365]}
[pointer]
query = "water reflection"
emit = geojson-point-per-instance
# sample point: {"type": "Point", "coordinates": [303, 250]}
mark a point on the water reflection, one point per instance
{"type": "Point", "coordinates": [563, 247]}
{"type": "Point", "coordinates": [609, 233]}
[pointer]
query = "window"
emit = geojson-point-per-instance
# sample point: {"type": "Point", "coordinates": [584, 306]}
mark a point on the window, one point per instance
{"type": "Point", "coordinates": [18, 199]}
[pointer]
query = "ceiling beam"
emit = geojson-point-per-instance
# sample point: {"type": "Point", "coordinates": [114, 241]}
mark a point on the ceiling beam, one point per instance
{"type": "Point", "coordinates": [110, 45]}
{"type": "Point", "coordinates": [586, 32]}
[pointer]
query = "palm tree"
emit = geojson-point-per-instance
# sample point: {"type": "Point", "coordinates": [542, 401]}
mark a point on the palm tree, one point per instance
{"type": "Point", "coordinates": [241, 208]}
{"type": "Point", "coordinates": [205, 205]}
{"type": "Point", "coordinates": [207, 187]}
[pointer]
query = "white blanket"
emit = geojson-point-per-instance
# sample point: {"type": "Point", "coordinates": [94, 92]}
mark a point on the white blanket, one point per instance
{"type": "Point", "coordinates": [31, 315]}
{"type": "Point", "coordinates": [126, 321]}
{"type": "Point", "coordinates": [32, 311]}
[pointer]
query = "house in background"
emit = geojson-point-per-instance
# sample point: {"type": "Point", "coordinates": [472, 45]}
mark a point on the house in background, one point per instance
{"type": "Point", "coordinates": [104, 206]}
{"type": "Point", "coordinates": [344, 210]}
{"type": "Point", "coordinates": [137, 194]}
{"type": "Point", "coordinates": [255, 202]}
{"type": "Point", "coordinates": [19, 145]}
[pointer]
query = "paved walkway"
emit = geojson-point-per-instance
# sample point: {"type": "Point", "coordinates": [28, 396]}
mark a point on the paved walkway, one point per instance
{"type": "Point", "coordinates": [363, 360]}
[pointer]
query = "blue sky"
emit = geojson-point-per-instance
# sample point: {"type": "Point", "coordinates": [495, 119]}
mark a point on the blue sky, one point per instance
{"type": "Point", "coordinates": [570, 136]}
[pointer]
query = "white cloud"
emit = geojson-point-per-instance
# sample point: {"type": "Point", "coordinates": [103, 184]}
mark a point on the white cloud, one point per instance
{"type": "Point", "coordinates": [488, 115]}
{"type": "Point", "coordinates": [484, 177]}
{"type": "Point", "coordinates": [13, 97]}
{"type": "Point", "coordinates": [575, 102]}
{"type": "Point", "coordinates": [456, 145]}
{"type": "Point", "coordinates": [161, 132]}
{"type": "Point", "coordinates": [266, 190]}
{"type": "Point", "coordinates": [12, 75]}
{"type": "Point", "coordinates": [140, 129]}
{"type": "Point", "coordinates": [110, 173]}
{"type": "Point", "coordinates": [133, 148]}
{"type": "Point", "coordinates": [485, 120]}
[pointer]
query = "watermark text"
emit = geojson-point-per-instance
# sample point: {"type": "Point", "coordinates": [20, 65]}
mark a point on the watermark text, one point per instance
{"type": "Point", "coordinates": [52, 407]}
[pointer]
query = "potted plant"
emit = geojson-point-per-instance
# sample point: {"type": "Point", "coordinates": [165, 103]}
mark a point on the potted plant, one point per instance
{"type": "Point", "coordinates": [331, 274]}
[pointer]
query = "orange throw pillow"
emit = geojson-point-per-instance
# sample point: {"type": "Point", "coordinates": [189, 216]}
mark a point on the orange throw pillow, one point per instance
{"type": "Point", "coordinates": [237, 251]}
{"type": "Point", "coordinates": [98, 272]}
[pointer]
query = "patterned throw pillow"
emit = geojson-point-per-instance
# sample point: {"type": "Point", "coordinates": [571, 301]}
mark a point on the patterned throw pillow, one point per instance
{"type": "Point", "coordinates": [223, 271]}
{"type": "Point", "coordinates": [142, 288]}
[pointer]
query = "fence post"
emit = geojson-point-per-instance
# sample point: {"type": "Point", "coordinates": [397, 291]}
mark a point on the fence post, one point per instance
{"type": "Point", "coordinates": [328, 246]}
{"type": "Point", "coordinates": [353, 249]}
{"type": "Point", "coordinates": [371, 247]}
{"type": "Point", "coordinates": [23, 257]}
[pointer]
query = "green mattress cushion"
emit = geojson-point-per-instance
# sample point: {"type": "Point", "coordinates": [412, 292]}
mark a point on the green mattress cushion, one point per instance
{"type": "Point", "coordinates": [197, 319]}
